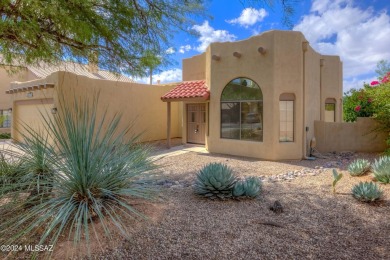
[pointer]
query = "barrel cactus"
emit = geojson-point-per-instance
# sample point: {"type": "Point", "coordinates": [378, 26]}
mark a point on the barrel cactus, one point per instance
{"type": "Point", "coordinates": [381, 169]}
{"type": "Point", "coordinates": [367, 192]}
{"type": "Point", "coordinates": [359, 167]}
{"type": "Point", "coordinates": [215, 180]}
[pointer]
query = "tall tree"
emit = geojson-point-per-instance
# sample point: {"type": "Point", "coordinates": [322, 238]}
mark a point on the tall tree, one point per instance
{"type": "Point", "coordinates": [126, 34]}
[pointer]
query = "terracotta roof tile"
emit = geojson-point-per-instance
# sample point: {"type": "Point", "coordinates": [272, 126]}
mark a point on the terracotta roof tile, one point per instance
{"type": "Point", "coordinates": [188, 89]}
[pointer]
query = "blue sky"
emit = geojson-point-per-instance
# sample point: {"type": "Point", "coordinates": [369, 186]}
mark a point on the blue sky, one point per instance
{"type": "Point", "coordinates": [356, 30]}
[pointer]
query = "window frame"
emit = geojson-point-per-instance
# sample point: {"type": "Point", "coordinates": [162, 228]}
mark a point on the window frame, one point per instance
{"type": "Point", "coordinates": [330, 101]}
{"type": "Point", "coordinates": [240, 102]}
{"type": "Point", "coordinates": [287, 97]}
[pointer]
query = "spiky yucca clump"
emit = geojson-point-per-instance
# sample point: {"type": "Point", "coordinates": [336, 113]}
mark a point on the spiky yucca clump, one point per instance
{"type": "Point", "coordinates": [366, 192]}
{"type": "Point", "coordinates": [250, 187]}
{"type": "Point", "coordinates": [359, 167]}
{"type": "Point", "coordinates": [215, 180]}
{"type": "Point", "coordinates": [86, 176]}
{"type": "Point", "coordinates": [381, 169]}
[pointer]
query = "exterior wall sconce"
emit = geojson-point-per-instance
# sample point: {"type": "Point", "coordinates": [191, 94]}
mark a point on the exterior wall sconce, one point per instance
{"type": "Point", "coordinates": [29, 95]}
{"type": "Point", "coordinates": [10, 109]}
{"type": "Point", "coordinates": [54, 110]}
{"type": "Point", "coordinates": [237, 54]}
{"type": "Point", "coordinates": [261, 50]}
{"type": "Point", "coordinates": [215, 57]}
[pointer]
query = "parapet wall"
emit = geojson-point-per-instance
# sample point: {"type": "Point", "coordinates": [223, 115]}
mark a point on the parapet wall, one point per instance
{"type": "Point", "coordinates": [358, 136]}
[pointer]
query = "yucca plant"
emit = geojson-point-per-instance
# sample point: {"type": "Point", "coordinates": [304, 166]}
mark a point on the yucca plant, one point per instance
{"type": "Point", "coordinates": [95, 172]}
{"type": "Point", "coordinates": [36, 155]}
{"type": "Point", "coordinates": [367, 192]}
{"type": "Point", "coordinates": [381, 169]}
{"type": "Point", "coordinates": [249, 187]}
{"type": "Point", "coordinates": [10, 173]}
{"type": "Point", "coordinates": [215, 180]}
{"type": "Point", "coordinates": [359, 167]}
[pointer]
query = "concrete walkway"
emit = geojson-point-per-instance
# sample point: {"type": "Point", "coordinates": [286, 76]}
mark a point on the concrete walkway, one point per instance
{"type": "Point", "coordinates": [177, 150]}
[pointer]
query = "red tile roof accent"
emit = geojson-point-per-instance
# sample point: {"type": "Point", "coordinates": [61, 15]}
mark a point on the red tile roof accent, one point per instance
{"type": "Point", "coordinates": [188, 89]}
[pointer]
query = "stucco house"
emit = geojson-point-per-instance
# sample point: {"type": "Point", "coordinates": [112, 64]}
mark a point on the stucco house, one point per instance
{"type": "Point", "coordinates": [264, 97]}
{"type": "Point", "coordinates": [259, 97]}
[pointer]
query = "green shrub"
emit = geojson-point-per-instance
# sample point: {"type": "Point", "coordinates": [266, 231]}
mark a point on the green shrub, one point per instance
{"type": "Point", "coordinates": [250, 187]}
{"type": "Point", "coordinates": [381, 169]}
{"type": "Point", "coordinates": [215, 180]}
{"type": "Point", "coordinates": [5, 136]}
{"type": "Point", "coordinates": [359, 167]}
{"type": "Point", "coordinates": [95, 169]}
{"type": "Point", "coordinates": [367, 192]}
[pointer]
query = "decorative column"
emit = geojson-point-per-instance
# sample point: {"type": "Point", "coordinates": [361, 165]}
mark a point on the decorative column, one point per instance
{"type": "Point", "coordinates": [168, 125]}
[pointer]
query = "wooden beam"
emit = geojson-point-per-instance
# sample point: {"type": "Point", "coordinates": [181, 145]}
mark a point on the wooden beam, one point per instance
{"type": "Point", "coordinates": [35, 87]}
{"type": "Point", "coordinates": [237, 54]}
{"type": "Point", "coordinates": [7, 92]}
{"type": "Point", "coordinates": [215, 57]}
{"type": "Point", "coordinates": [30, 88]}
{"type": "Point", "coordinates": [169, 125]}
{"type": "Point", "coordinates": [49, 85]}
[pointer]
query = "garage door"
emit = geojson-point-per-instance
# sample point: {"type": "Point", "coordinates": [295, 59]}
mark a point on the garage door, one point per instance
{"type": "Point", "coordinates": [29, 112]}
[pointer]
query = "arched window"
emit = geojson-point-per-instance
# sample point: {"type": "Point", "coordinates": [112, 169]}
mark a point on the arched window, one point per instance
{"type": "Point", "coordinates": [242, 110]}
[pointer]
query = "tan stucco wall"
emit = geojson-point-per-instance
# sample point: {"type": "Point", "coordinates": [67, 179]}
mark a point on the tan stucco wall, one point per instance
{"type": "Point", "coordinates": [331, 84]}
{"type": "Point", "coordinates": [8, 75]}
{"type": "Point", "coordinates": [194, 68]}
{"type": "Point", "coordinates": [342, 136]}
{"type": "Point", "coordinates": [285, 68]}
{"type": "Point", "coordinates": [139, 104]}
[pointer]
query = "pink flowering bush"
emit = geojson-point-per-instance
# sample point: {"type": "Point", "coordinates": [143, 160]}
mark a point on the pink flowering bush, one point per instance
{"type": "Point", "coordinates": [373, 100]}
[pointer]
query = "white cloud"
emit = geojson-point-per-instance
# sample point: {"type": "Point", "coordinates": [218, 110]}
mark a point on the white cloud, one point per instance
{"type": "Point", "coordinates": [249, 16]}
{"type": "Point", "coordinates": [170, 50]}
{"type": "Point", "coordinates": [359, 36]}
{"type": "Point", "coordinates": [208, 35]}
{"type": "Point", "coordinates": [356, 83]}
{"type": "Point", "coordinates": [173, 75]}
{"type": "Point", "coordinates": [185, 48]}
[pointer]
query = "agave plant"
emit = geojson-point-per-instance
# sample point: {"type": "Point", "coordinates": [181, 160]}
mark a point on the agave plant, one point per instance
{"type": "Point", "coordinates": [215, 180]}
{"type": "Point", "coordinates": [359, 167]}
{"type": "Point", "coordinates": [381, 169]}
{"type": "Point", "coordinates": [95, 172]}
{"type": "Point", "coordinates": [250, 187]}
{"type": "Point", "coordinates": [367, 192]}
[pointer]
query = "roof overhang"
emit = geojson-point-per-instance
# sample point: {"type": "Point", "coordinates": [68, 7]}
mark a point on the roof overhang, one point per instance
{"type": "Point", "coordinates": [191, 91]}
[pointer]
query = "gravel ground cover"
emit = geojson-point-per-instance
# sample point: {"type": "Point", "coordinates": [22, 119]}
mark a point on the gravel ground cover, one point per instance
{"type": "Point", "coordinates": [315, 223]}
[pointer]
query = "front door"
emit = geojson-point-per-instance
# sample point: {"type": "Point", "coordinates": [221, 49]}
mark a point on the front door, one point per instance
{"type": "Point", "coordinates": [196, 123]}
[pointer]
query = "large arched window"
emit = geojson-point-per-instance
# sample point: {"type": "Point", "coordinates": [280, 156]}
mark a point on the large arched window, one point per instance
{"type": "Point", "coordinates": [242, 110]}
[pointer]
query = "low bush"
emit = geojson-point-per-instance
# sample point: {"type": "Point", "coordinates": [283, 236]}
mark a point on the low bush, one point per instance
{"type": "Point", "coordinates": [249, 187]}
{"type": "Point", "coordinates": [367, 192]}
{"type": "Point", "coordinates": [381, 169]}
{"type": "Point", "coordinates": [359, 167]}
{"type": "Point", "coordinates": [217, 180]}
{"type": "Point", "coordinates": [5, 136]}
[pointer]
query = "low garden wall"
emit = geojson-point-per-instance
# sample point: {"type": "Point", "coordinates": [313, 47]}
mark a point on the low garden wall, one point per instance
{"type": "Point", "coordinates": [358, 136]}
